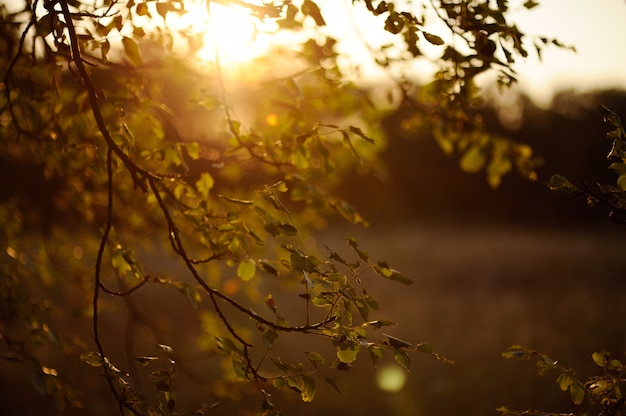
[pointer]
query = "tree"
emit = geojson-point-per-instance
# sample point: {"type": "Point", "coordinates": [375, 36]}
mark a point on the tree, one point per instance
{"type": "Point", "coordinates": [112, 195]}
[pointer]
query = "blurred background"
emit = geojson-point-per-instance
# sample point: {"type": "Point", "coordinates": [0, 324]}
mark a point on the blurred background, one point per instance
{"type": "Point", "coordinates": [491, 268]}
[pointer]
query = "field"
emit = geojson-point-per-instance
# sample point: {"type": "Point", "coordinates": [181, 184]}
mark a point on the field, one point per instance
{"type": "Point", "coordinates": [478, 290]}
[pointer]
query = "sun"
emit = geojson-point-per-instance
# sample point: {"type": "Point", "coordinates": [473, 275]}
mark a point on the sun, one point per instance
{"type": "Point", "coordinates": [230, 34]}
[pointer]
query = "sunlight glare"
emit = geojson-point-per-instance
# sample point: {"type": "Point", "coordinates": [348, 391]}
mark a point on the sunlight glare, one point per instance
{"type": "Point", "coordinates": [232, 33]}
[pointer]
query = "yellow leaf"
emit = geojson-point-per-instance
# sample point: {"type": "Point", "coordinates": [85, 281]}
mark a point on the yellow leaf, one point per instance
{"type": "Point", "coordinates": [132, 51]}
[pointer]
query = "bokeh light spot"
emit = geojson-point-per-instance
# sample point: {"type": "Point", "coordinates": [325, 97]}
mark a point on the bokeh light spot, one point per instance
{"type": "Point", "coordinates": [391, 378]}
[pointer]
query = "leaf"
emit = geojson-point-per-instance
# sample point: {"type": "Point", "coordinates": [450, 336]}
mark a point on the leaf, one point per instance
{"type": "Point", "coordinates": [362, 135]}
{"type": "Point", "coordinates": [45, 25]}
{"type": "Point", "coordinates": [205, 184]}
{"type": "Point", "coordinates": [397, 342]}
{"type": "Point", "coordinates": [246, 270]}
{"type": "Point", "coordinates": [308, 389]}
{"type": "Point", "coordinates": [434, 39]}
{"type": "Point", "coordinates": [615, 365]}
{"type": "Point", "coordinates": [473, 160]}
{"type": "Point", "coordinates": [165, 348]}
{"type": "Point", "coordinates": [105, 46]}
{"type": "Point", "coordinates": [142, 9]}
{"type": "Point", "coordinates": [371, 302]}
{"type": "Point", "coordinates": [376, 353]}
{"type": "Point", "coordinates": [577, 393]}
{"type": "Point", "coordinates": [92, 358]}
{"type": "Point", "coordinates": [560, 183]}
{"type": "Point", "coordinates": [348, 352]}
{"type": "Point", "coordinates": [310, 8]}
{"type": "Point", "coordinates": [600, 358]}
{"type": "Point", "coordinates": [402, 358]}
{"type": "Point", "coordinates": [530, 4]}
{"type": "Point", "coordinates": [333, 382]}
{"type": "Point", "coordinates": [145, 360]}
{"type": "Point", "coordinates": [315, 358]}
{"type": "Point", "coordinates": [354, 244]}
{"type": "Point", "coordinates": [287, 229]}
{"type": "Point", "coordinates": [565, 380]}
{"type": "Point", "coordinates": [518, 351]}
{"type": "Point", "coordinates": [424, 347]}
{"type": "Point", "coordinates": [268, 268]}
{"type": "Point", "coordinates": [280, 364]}
{"type": "Point", "coordinates": [164, 8]}
{"type": "Point", "coordinates": [383, 269]}
{"type": "Point", "coordinates": [394, 23]}
{"type": "Point", "coordinates": [379, 323]}
{"type": "Point", "coordinates": [132, 51]}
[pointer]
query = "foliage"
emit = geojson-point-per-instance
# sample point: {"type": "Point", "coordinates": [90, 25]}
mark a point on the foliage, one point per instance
{"type": "Point", "coordinates": [109, 181]}
{"type": "Point", "coordinates": [603, 391]}
{"type": "Point", "coordinates": [613, 196]}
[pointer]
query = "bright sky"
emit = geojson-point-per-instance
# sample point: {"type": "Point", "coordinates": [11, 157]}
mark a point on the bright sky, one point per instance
{"type": "Point", "coordinates": [596, 28]}
{"type": "Point", "coordinates": [598, 31]}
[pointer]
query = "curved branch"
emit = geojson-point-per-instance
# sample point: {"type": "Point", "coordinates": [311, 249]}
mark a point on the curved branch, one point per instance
{"type": "Point", "coordinates": [178, 246]}
{"type": "Point", "coordinates": [138, 174]}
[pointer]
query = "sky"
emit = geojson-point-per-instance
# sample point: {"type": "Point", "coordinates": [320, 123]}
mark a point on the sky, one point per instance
{"type": "Point", "coordinates": [598, 31]}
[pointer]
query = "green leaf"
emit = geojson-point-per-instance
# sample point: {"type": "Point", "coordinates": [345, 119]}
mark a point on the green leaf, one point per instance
{"type": "Point", "coordinates": [287, 229]}
{"type": "Point", "coordinates": [362, 135]}
{"type": "Point", "coordinates": [615, 365]}
{"type": "Point", "coordinates": [560, 183]}
{"type": "Point", "coordinates": [424, 347]}
{"type": "Point", "coordinates": [92, 358]}
{"type": "Point", "coordinates": [518, 351]}
{"type": "Point", "coordinates": [379, 323]}
{"type": "Point", "coordinates": [246, 270]}
{"type": "Point", "coordinates": [473, 160]}
{"type": "Point", "coordinates": [132, 51]}
{"type": "Point", "coordinates": [565, 380]}
{"type": "Point", "coordinates": [281, 365]}
{"type": "Point", "coordinates": [402, 358]}
{"type": "Point", "coordinates": [354, 244]}
{"type": "Point", "coordinates": [397, 342]}
{"type": "Point", "coordinates": [376, 353]}
{"type": "Point", "coordinates": [332, 381]}
{"type": "Point", "coordinates": [205, 184]}
{"type": "Point", "coordinates": [348, 352]}
{"type": "Point", "coordinates": [383, 269]}
{"type": "Point", "coordinates": [308, 389]}
{"type": "Point", "coordinates": [315, 358]}
{"type": "Point", "coordinates": [268, 268]}
{"type": "Point", "coordinates": [600, 358]}
{"type": "Point", "coordinates": [577, 392]}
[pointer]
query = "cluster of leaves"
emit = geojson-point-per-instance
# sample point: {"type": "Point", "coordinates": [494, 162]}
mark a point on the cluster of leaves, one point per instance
{"type": "Point", "coordinates": [613, 196]}
{"type": "Point", "coordinates": [101, 139]}
{"type": "Point", "coordinates": [84, 104]}
{"type": "Point", "coordinates": [603, 391]}
{"type": "Point", "coordinates": [478, 40]}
